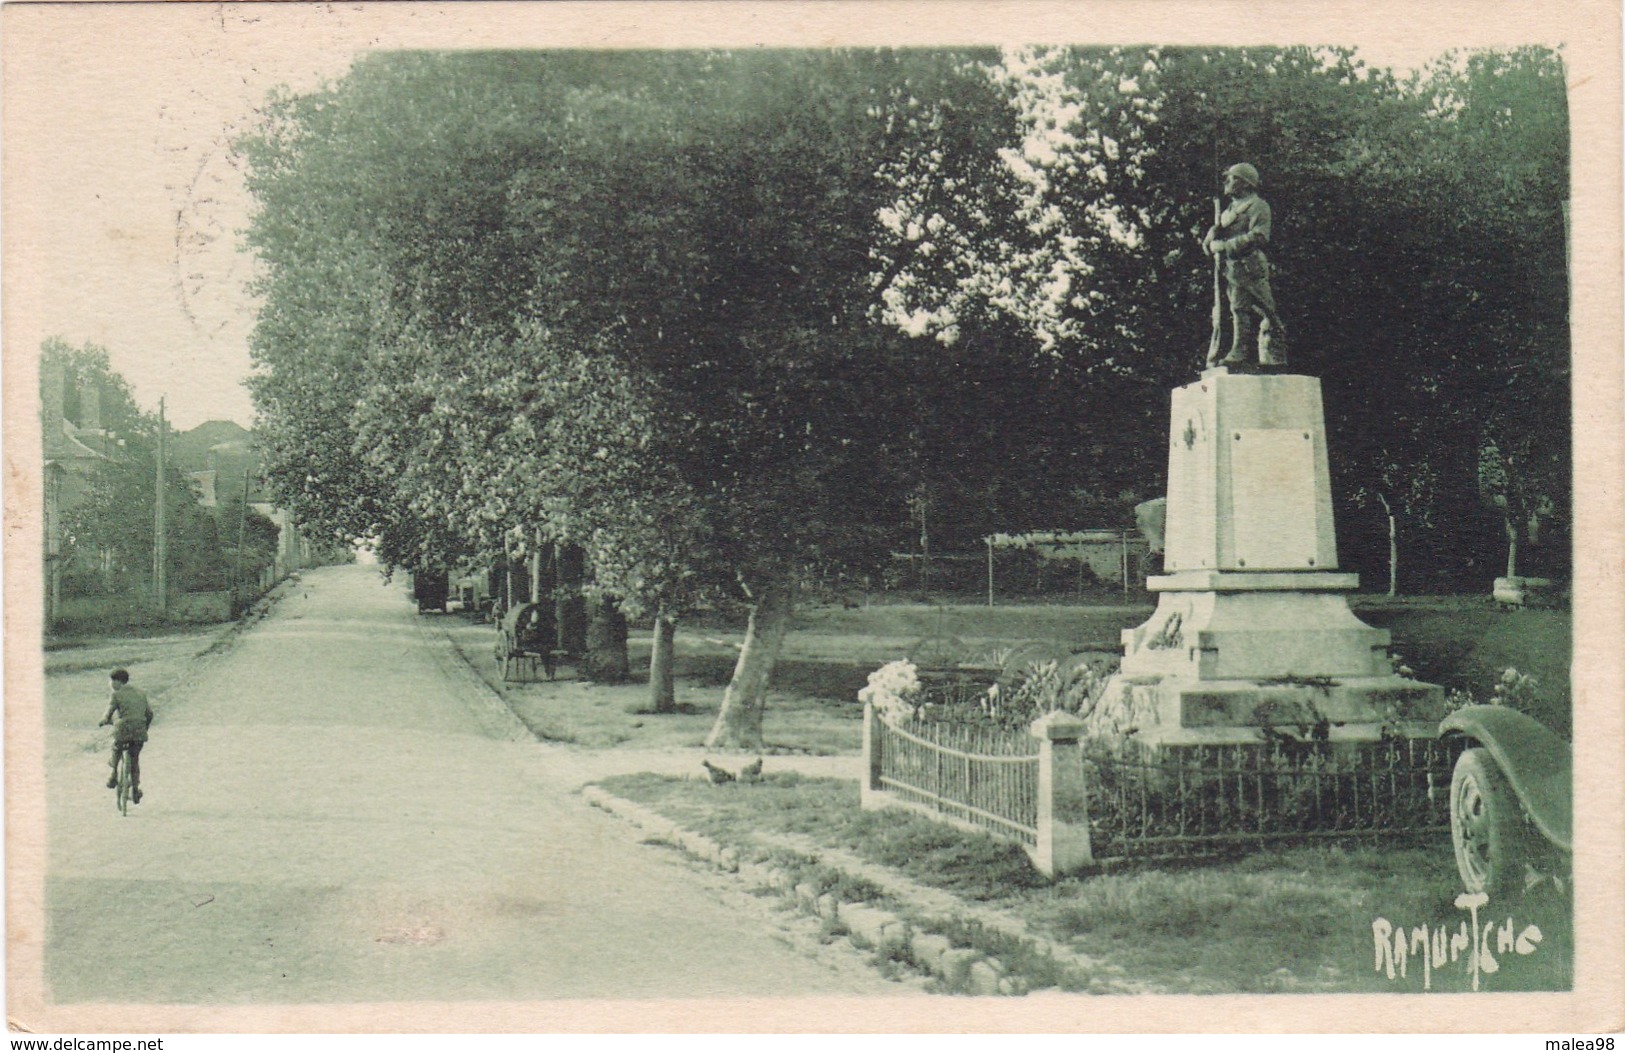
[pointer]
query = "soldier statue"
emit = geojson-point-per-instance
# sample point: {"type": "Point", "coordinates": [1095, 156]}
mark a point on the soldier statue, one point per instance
{"type": "Point", "coordinates": [1239, 238]}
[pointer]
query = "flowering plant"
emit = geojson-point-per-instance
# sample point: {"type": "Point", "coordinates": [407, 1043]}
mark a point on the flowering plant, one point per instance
{"type": "Point", "coordinates": [1014, 701]}
{"type": "Point", "coordinates": [1048, 687]}
{"type": "Point", "coordinates": [1515, 690]}
{"type": "Point", "coordinates": [894, 690]}
{"type": "Point", "coordinates": [1512, 689]}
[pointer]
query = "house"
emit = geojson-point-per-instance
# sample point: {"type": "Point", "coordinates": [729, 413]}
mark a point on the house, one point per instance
{"type": "Point", "coordinates": [220, 458]}
{"type": "Point", "coordinates": [73, 449]}
{"type": "Point", "coordinates": [223, 462]}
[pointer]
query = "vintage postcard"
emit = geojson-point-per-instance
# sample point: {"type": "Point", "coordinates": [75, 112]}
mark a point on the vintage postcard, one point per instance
{"type": "Point", "coordinates": [895, 517]}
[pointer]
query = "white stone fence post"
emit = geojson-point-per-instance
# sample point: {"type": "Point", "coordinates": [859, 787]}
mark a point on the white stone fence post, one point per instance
{"type": "Point", "coordinates": [1062, 822]}
{"type": "Point", "coordinates": [869, 792]}
{"type": "Point", "coordinates": [1063, 799]}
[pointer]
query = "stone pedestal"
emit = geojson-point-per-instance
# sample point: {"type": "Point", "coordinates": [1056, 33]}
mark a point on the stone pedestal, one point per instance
{"type": "Point", "coordinates": [1252, 627]}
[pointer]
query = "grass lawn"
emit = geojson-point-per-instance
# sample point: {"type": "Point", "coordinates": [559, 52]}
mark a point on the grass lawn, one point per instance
{"type": "Point", "coordinates": [1466, 643]}
{"type": "Point", "coordinates": [1296, 919]}
{"type": "Point", "coordinates": [1459, 642]}
{"type": "Point", "coordinates": [1289, 919]}
{"type": "Point", "coordinates": [160, 656]}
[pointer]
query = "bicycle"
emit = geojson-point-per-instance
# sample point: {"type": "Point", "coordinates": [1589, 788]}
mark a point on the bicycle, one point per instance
{"type": "Point", "coordinates": [123, 774]}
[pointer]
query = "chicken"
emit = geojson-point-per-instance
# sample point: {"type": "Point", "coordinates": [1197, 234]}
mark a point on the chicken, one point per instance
{"type": "Point", "coordinates": [717, 775]}
{"type": "Point", "coordinates": [751, 772]}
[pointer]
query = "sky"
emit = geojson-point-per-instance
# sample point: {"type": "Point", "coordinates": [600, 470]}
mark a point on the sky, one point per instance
{"type": "Point", "coordinates": [124, 202]}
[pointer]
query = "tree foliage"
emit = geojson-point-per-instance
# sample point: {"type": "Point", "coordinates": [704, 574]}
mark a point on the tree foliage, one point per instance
{"type": "Point", "coordinates": [1418, 256]}
{"type": "Point", "coordinates": [622, 296]}
{"type": "Point", "coordinates": [723, 319]}
{"type": "Point", "coordinates": [107, 530]}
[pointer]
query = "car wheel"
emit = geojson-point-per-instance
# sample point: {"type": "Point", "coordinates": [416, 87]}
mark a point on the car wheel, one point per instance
{"type": "Point", "coordinates": [1486, 826]}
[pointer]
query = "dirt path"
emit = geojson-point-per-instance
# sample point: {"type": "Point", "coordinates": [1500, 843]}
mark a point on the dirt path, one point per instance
{"type": "Point", "coordinates": [336, 813]}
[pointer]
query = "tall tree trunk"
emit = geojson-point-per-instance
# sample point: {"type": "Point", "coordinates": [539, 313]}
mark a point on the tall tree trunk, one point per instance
{"type": "Point", "coordinates": [662, 693]}
{"type": "Point", "coordinates": [739, 722]}
{"type": "Point", "coordinates": [543, 575]}
{"type": "Point", "coordinates": [539, 554]}
{"type": "Point", "coordinates": [605, 660]}
{"type": "Point", "coordinates": [1393, 548]}
{"type": "Point", "coordinates": [510, 594]}
{"type": "Point", "coordinates": [571, 610]}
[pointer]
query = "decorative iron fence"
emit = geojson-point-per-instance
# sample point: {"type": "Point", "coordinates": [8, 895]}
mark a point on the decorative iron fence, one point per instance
{"type": "Point", "coordinates": [975, 775]}
{"type": "Point", "coordinates": [1074, 801]}
{"type": "Point", "coordinates": [1193, 800]}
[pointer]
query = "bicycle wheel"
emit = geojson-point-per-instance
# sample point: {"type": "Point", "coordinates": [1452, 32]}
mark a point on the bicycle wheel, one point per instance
{"type": "Point", "coordinates": [124, 783]}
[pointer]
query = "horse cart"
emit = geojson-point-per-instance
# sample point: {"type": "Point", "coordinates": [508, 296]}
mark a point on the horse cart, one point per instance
{"type": "Point", "coordinates": [526, 637]}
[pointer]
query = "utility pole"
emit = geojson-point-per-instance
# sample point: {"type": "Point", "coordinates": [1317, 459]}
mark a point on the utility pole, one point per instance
{"type": "Point", "coordinates": [160, 555]}
{"type": "Point", "coordinates": [242, 530]}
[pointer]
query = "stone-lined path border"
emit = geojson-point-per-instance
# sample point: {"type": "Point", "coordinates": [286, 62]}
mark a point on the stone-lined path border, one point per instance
{"type": "Point", "coordinates": [871, 928]}
{"type": "Point", "coordinates": [884, 933]}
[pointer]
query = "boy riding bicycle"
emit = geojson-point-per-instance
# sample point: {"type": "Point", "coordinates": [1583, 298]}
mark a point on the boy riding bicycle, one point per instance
{"type": "Point", "coordinates": [134, 714]}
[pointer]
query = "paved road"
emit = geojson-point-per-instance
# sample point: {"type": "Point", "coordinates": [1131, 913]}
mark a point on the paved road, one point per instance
{"type": "Point", "coordinates": [336, 812]}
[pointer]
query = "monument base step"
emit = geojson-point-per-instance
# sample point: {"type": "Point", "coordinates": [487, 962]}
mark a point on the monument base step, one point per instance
{"type": "Point", "coordinates": [1177, 711]}
{"type": "Point", "coordinates": [1255, 634]}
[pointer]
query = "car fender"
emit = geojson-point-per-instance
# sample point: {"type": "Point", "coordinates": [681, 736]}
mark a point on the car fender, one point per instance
{"type": "Point", "coordinates": [1536, 761]}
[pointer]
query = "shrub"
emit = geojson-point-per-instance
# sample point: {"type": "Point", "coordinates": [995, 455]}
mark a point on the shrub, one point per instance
{"type": "Point", "coordinates": [1515, 690]}
{"type": "Point", "coordinates": [1014, 701]}
{"type": "Point", "coordinates": [894, 690]}
{"type": "Point", "coordinates": [1512, 689]}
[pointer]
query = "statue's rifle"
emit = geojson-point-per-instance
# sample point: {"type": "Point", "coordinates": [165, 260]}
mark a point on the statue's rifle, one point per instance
{"type": "Point", "coordinates": [1218, 309]}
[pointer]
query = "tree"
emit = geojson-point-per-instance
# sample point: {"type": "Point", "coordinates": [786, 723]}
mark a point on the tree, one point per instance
{"type": "Point", "coordinates": [1401, 492]}
{"type": "Point", "coordinates": [513, 213]}
{"type": "Point", "coordinates": [106, 530]}
{"type": "Point", "coordinates": [107, 524]}
{"type": "Point", "coordinates": [1502, 164]}
{"type": "Point", "coordinates": [1402, 217]}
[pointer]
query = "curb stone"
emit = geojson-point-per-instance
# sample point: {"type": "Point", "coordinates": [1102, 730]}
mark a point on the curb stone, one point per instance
{"type": "Point", "coordinates": [1104, 977]}
{"type": "Point", "coordinates": [486, 704]}
{"type": "Point", "coordinates": [872, 928]}
{"type": "Point", "coordinates": [956, 963]}
{"type": "Point", "coordinates": [984, 979]}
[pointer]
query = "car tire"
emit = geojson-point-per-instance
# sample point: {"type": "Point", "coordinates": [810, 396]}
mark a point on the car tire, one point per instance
{"type": "Point", "coordinates": [1487, 827]}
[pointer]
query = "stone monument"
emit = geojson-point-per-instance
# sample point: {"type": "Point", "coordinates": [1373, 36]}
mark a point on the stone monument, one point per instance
{"type": "Point", "coordinates": [1253, 629]}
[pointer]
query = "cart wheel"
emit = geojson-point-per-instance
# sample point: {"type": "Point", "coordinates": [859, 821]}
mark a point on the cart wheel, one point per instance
{"type": "Point", "coordinates": [937, 652]}
{"type": "Point", "coordinates": [1486, 826]}
{"type": "Point", "coordinates": [1021, 658]}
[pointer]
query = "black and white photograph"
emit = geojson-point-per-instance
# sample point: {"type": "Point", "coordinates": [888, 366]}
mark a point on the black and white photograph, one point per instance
{"type": "Point", "coordinates": [1081, 517]}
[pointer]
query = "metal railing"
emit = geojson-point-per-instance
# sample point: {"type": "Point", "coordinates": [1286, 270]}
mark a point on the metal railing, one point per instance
{"type": "Point", "coordinates": [1075, 801]}
{"type": "Point", "coordinates": [1191, 800]}
{"type": "Point", "coordinates": [978, 776]}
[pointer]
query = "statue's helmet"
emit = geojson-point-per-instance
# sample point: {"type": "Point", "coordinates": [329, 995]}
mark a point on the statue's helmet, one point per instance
{"type": "Point", "coordinates": [1244, 173]}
